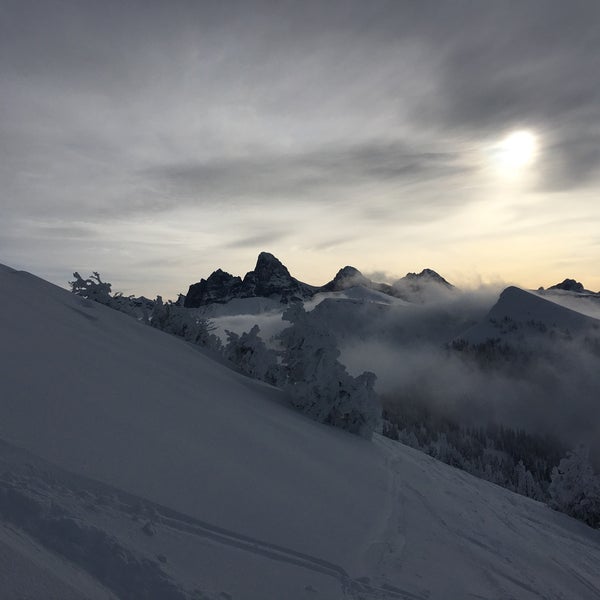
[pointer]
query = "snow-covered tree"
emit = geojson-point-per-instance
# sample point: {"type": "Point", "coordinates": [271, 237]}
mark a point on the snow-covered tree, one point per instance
{"type": "Point", "coordinates": [170, 317]}
{"type": "Point", "coordinates": [319, 384]}
{"type": "Point", "coordinates": [251, 355]}
{"type": "Point", "coordinates": [526, 484]}
{"type": "Point", "coordinates": [183, 322]}
{"type": "Point", "coordinates": [575, 489]}
{"type": "Point", "coordinates": [92, 288]}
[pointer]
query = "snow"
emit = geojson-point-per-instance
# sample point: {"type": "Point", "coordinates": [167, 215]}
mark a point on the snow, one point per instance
{"type": "Point", "coordinates": [586, 304]}
{"type": "Point", "coordinates": [211, 486]}
{"type": "Point", "coordinates": [358, 293]}
{"type": "Point", "coordinates": [523, 307]}
{"type": "Point", "coordinates": [241, 306]}
{"type": "Point", "coordinates": [27, 571]}
{"type": "Point", "coordinates": [241, 314]}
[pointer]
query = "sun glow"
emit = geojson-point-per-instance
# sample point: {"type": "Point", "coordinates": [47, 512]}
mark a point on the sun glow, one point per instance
{"type": "Point", "coordinates": [516, 150]}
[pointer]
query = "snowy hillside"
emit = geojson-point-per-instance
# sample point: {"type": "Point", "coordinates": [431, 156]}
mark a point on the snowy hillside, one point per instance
{"type": "Point", "coordinates": [132, 465]}
{"type": "Point", "coordinates": [517, 308]}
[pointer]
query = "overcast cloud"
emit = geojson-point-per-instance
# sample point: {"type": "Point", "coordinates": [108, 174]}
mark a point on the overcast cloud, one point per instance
{"type": "Point", "coordinates": [186, 136]}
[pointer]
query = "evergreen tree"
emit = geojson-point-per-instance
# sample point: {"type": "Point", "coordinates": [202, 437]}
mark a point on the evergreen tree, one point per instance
{"type": "Point", "coordinates": [575, 489]}
{"type": "Point", "coordinates": [319, 384]}
{"type": "Point", "coordinates": [251, 355]}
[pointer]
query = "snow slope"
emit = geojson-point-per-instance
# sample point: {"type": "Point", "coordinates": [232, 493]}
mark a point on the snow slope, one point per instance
{"type": "Point", "coordinates": [517, 308]}
{"type": "Point", "coordinates": [141, 466]}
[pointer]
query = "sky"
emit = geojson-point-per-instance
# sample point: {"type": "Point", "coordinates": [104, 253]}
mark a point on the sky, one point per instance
{"type": "Point", "coordinates": [157, 141]}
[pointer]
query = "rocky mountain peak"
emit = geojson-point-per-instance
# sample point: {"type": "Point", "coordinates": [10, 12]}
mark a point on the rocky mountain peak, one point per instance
{"type": "Point", "coordinates": [270, 278]}
{"type": "Point", "coordinates": [348, 272]}
{"type": "Point", "coordinates": [427, 275]}
{"type": "Point", "coordinates": [345, 278]}
{"type": "Point", "coordinates": [421, 287]}
{"type": "Point", "coordinates": [215, 288]}
{"type": "Point", "coordinates": [569, 285]}
{"type": "Point", "coordinates": [268, 266]}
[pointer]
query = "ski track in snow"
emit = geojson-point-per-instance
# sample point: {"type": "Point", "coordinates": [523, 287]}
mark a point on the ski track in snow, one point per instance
{"type": "Point", "coordinates": [26, 479]}
{"type": "Point", "coordinates": [486, 538]}
{"type": "Point", "coordinates": [78, 499]}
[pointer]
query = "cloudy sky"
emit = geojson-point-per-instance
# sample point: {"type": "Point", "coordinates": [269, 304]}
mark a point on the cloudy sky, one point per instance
{"type": "Point", "coordinates": [156, 141]}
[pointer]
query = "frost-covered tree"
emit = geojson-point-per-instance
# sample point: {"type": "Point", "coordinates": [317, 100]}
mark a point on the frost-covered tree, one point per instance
{"type": "Point", "coordinates": [170, 317]}
{"type": "Point", "coordinates": [514, 459]}
{"type": "Point", "coordinates": [526, 485]}
{"type": "Point", "coordinates": [575, 489]}
{"type": "Point", "coordinates": [92, 288]}
{"type": "Point", "coordinates": [183, 322]}
{"type": "Point", "coordinates": [250, 354]}
{"type": "Point", "coordinates": [319, 384]}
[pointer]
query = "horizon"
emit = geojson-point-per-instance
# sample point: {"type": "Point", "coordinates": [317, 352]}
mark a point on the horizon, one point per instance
{"type": "Point", "coordinates": [474, 285]}
{"type": "Point", "coordinates": [156, 142]}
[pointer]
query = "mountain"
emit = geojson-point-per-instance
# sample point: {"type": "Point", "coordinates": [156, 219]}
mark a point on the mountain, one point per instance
{"type": "Point", "coordinates": [413, 287]}
{"type": "Point", "coordinates": [417, 280]}
{"type": "Point", "coordinates": [421, 287]}
{"type": "Point", "coordinates": [518, 311]}
{"type": "Point", "coordinates": [219, 287]}
{"type": "Point", "coordinates": [132, 465]}
{"type": "Point", "coordinates": [270, 278]}
{"type": "Point", "coordinates": [349, 277]}
{"type": "Point", "coordinates": [570, 285]}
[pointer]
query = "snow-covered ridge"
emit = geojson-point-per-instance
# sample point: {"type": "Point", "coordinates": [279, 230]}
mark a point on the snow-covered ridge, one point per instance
{"type": "Point", "coordinates": [517, 308]}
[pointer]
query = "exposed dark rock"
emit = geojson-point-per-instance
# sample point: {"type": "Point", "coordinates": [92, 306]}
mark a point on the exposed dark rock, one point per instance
{"type": "Point", "coordinates": [350, 277]}
{"type": "Point", "coordinates": [570, 285]}
{"type": "Point", "coordinates": [424, 277]}
{"type": "Point", "coordinates": [420, 286]}
{"type": "Point", "coordinates": [219, 287]}
{"type": "Point", "coordinates": [271, 279]}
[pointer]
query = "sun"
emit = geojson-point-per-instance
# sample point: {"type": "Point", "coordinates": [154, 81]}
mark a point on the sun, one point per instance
{"type": "Point", "coordinates": [517, 150]}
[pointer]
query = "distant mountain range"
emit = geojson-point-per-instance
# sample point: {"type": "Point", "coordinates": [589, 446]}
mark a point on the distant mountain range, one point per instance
{"type": "Point", "coordinates": [271, 279]}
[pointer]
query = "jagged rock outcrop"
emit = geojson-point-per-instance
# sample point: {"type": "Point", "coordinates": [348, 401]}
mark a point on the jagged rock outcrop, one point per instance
{"type": "Point", "coordinates": [417, 280]}
{"type": "Point", "coordinates": [350, 277]}
{"type": "Point", "coordinates": [420, 287]}
{"type": "Point", "coordinates": [570, 285]}
{"type": "Point", "coordinates": [270, 278]}
{"type": "Point", "coordinates": [219, 287]}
